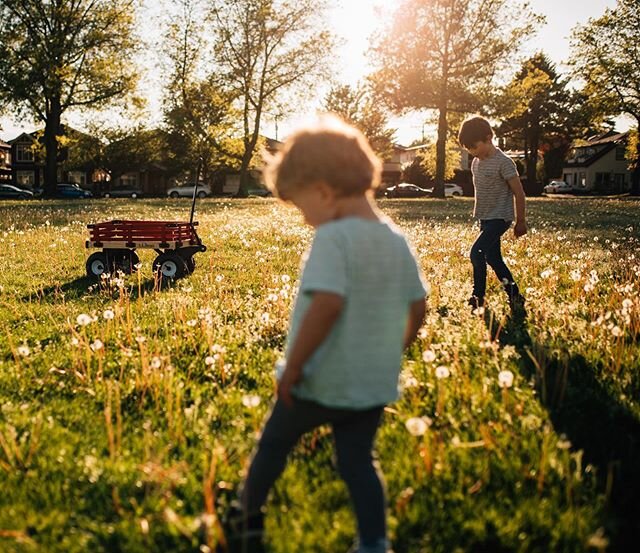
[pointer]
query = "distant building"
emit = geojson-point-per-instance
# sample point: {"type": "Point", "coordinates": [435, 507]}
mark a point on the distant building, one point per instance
{"type": "Point", "coordinates": [599, 165]}
{"type": "Point", "coordinates": [5, 163]}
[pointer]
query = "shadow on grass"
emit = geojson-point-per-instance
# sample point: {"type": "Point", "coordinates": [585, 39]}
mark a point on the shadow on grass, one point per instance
{"type": "Point", "coordinates": [583, 409]}
{"type": "Point", "coordinates": [81, 286]}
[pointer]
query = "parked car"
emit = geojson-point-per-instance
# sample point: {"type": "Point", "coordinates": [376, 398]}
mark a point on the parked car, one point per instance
{"type": "Point", "coordinates": [406, 190]}
{"type": "Point", "coordinates": [186, 191]}
{"type": "Point", "coordinates": [452, 189]}
{"type": "Point", "coordinates": [558, 187]}
{"type": "Point", "coordinates": [123, 193]}
{"type": "Point", "coordinates": [72, 190]}
{"type": "Point", "coordinates": [15, 193]}
{"type": "Point", "coordinates": [261, 192]}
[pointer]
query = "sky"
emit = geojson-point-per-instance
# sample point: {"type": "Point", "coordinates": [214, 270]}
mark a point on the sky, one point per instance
{"type": "Point", "coordinates": [354, 21]}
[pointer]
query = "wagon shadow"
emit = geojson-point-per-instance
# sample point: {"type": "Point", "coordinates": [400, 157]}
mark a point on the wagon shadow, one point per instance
{"type": "Point", "coordinates": [591, 417]}
{"type": "Point", "coordinates": [82, 286]}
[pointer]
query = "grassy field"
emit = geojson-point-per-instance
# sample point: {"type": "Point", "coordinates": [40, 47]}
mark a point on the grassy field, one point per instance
{"type": "Point", "coordinates": [128, 412]}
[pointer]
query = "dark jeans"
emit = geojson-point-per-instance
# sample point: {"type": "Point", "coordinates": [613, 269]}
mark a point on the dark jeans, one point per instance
{"type": "Point", "coordinates": [353, 432]}
{"type": "Point", "coordinates": [486, 250]}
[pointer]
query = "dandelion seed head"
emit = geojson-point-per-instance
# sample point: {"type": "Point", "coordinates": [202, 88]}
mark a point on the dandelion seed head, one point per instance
{"type": "Point", "coordinates": [505, 379]}
{"type": "Point", "coordinates": [250, 400]}
{"type": "Point", "coordinates": [442, 372]}
{"type": "Point", "coordinates": [428, 356]}
{"type": "Point", "coordinates": [108, 314]}
{"type": "Point", "coordinates": [83, 319]}
{"type": "Point", "coordinates": [417, 426]}
{"type": "Point", "coordinates": [24, 351]}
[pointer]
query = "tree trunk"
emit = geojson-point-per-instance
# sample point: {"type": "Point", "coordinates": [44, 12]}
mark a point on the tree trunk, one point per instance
{"type": "Point", "coordinates": [243, 189]}
{"type": "Point", "coordinates": [532, 161]}
{"type": "Point", "coordinates": [441, 151]}
{"type": "Point", "coordinates": [51, 130]}
{"type": "Point", "coordinates": [635, 175]}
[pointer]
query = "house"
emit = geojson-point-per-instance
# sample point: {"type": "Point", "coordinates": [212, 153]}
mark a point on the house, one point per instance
{"type": "Point", "coordinates": [5, 163]}
{"type": "Point", "coordinates": [599, 164]}
{"type": "Point", "coordinates": [151, 179]}
{"type": "Point", "coordinates": [28, 165]}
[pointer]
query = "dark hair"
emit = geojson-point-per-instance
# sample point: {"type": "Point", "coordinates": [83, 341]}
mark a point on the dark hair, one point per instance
{"type": "Point", "coordinates": [473, 130]}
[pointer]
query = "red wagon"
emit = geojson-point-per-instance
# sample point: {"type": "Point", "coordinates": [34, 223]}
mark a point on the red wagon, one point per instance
{"type": "Point", "coordinates": [175, 243]}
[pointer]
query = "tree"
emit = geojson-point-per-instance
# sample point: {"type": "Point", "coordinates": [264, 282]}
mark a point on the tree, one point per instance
{"type": "Point", "coordinates": [445, 54]}
{"type": "Point", "coordinates": [536, 106]}
{"type": "Point", "coordinates": [263, 49]}
{"type": "Point", "coordinates": [605, 53]}
{"type": "Point", "coordinates": [64, 54]}
{"type": "Point", "coordinates": [358, 106]}
{"type": "Point", "coordinates": [198, 109]}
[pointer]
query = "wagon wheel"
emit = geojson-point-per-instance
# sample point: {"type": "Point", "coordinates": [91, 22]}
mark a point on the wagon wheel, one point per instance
{"type": "Point", "coordinates": [126, 261]}
{"type": "Point", "coordinates": [190, 262]}
{"type": "Point", "coordinates": [170, 265]}
{"type": "Point", "coordinates": [97, 265]}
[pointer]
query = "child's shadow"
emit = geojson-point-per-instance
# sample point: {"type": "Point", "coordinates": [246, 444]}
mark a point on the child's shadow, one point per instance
{"type": "Point", "coordinates": [591, 417]}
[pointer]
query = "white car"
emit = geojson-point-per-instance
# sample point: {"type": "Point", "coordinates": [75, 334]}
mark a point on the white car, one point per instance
{"type": "Point", "coordinates": [558, 187]}
{"type": "Point", "coordinates": [452, 189]}
{"type": "Point", "coordinates": [186, 191]}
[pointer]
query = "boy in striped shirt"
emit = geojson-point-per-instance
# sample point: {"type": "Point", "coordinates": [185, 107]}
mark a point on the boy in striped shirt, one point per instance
{"type": "Point", "coordinates": [497, 188]}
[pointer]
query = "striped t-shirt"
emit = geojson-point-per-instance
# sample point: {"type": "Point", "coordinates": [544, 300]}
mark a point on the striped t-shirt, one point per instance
{"type": "Point", "coordinates": [494, 198]}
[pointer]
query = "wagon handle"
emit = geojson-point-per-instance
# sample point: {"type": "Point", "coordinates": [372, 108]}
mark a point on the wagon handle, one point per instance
{"type": "Point", "coordinates": [195, 190]}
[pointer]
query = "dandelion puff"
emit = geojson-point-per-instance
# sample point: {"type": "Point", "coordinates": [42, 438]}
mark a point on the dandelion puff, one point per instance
{"type": "Point", "coordinates": [97, 345]}
{"type": "Point", "coordinates": [75, 341]}
{"type": "Point", "coordinates": [442, 372]}
{"type": "Point", "coordinates": [219, 278]}
{"type": "Point", "coordinates": [83, 319]}
{"type": "Point", "coordinates": [250, 400]}
{"type": "Point", "coordinates": [285, 278]}
{"type": "Point", "coordinates": [24, 351]}
{"type": "Point", "coordinates": [417, 426]}
{"type": "Point", "coordinates": [627, 303]}
{"type": "Point", "coordinates": [192, 322]}
{"type": "Point", "coordinates": [264, 318]}
{"type": "Point", "coordinates": [108, 314]}
{"type": "Point", "coordinates": [428, 356]}
{"type": "Point", "coordinates": [209, 360]}
{"type": "Point", "coordinates": [156, 362]}
{"type": "Point", "coordinates": [616, 331]}
{"type": "Point", "coordinates": [505, 379]}
{"type": "Point", "coordinates": [141, 339]}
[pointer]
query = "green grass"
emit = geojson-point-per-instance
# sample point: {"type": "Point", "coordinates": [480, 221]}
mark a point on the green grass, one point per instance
{"type": "Point", "coordinates": [131, 433]}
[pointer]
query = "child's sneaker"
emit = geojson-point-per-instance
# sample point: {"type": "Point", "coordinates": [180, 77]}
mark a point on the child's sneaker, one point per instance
{"type": "Point", "coordinates": [243, 533]}
{"type": "Point", "coordinates": [475, 303]}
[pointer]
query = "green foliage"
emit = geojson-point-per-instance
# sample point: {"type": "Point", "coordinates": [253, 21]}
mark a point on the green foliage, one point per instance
{"type": "Point", "coordinates": [119, 428]}
{"type": "Point", "coordinates": [445, 55]}
{"type": "Point", "coordinates": [199, 116]}
{"type": "Point", "coordinates": [359, 107]}
{"type": "Point", "coordinates": [263, 50]}
{"type": "Point", "coordinates": [62, 55]}
{"type": "Point", "coordinates": [452, 157]}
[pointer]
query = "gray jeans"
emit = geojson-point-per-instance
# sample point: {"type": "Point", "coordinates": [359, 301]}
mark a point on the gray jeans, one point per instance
{"type": "Point", "coordinates": [353, 432]}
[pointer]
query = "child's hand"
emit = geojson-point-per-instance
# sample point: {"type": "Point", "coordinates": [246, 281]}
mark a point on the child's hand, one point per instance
{"type": "Point", "coordinates": [520, 229]}
{"type": "Point", "coordinates": [290, 377]}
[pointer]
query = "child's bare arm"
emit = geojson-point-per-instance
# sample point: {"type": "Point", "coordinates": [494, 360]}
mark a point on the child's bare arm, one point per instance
{"type": "Point", "coordinates": [417, 311]}
{"type": "Point", "coordinates": [520, 228]}
{"type": "Point", "coordinates": [323, 312]}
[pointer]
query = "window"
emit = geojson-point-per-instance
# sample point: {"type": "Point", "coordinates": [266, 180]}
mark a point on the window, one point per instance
{"type": "Point", "coordinates": [620, 153]}
{"type": "Point", "coordinates": [583, 180]}
{"type": "Point", "coordinates": [128, 181]}
{"type": "Point", "coordinates": [618, 179]}
{"type": "Point", "coordinates": [24, 152]}
{"type": "Point", "coordinates": [25, 179]}
{"type": "Point", "coordinates": [79, 177]}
